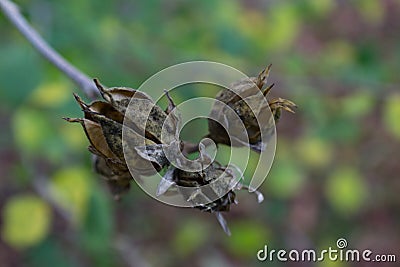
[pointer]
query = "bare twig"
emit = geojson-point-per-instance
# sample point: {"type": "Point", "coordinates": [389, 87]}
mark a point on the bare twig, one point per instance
{"type": "Point", "coordinates": [11, 11]}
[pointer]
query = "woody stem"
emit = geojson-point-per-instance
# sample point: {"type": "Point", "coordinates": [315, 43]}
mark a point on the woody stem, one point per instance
{"type": "Point", "coordinates": [11, 11]}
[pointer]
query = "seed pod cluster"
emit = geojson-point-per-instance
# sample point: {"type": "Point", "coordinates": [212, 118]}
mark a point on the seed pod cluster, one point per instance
{"type": "Point", "coordinates": [150, 131]}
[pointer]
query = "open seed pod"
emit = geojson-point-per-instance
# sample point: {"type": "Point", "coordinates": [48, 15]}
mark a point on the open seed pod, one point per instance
{"type": "Point", "coordinates": [214, 182]}
{"type": "Point", "coordinates": [237, 97]}
{"type": "Point", "coordinates": [104, 122]}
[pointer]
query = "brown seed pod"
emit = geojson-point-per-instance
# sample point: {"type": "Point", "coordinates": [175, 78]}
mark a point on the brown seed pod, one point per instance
{"type": "Point", "coordinates": [119, 97]}
{"type": "Point", "coordinates": [233, 98]}
{"type": "Point", "coordinates": [222, 183]}
{"type": "Point", "coordinates": [104, 122]}
{"type": "Point", "coordinates": [118, 183]}
{"type": "Point", "coordinates": [143, 115]}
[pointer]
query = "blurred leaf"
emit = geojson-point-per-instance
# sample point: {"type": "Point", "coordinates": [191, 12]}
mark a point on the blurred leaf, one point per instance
{"type": "Point", "coordinates": [231, 41]}
{"type": "Point", "coordinates": [226, 11]}
{"type": "Point", "coordinates": [190, 237]}
{"type": "Point", "coordinates": [26, 221]}
{"type": "Point", "coordinates": [98, 220]}
{"type": "Point", "coordinates": [47, 253]}
{"type": "Point", "coordinates": [282, 24]}
{"type": "Point", "coordinates": [97, 231]}
{"type": "Point", "coordinates": [110, 27]}
{"type": "Point", "coordinates": [322, 7]}
{"type": "Point", "coordinates": [367, 56]}
{"type": "Point", "coordinates": [252, 24]}
{"type": "Point", "coordinates": [51, 94]}
{"type": "Point", "coordinates": [391, 114]}
{"type": "Point", "coordinates": [285, 179]}
{"type": "Point", "coordinates": [20, 70]}
{"type": "Point", "coordinates": [341, 129]}
{"type": "Point", "coordinates": [313, 106]}
{"type": "Point", "coordinates": [35, 134]}
{"type": "Point", "coordinates": [358, 104]}
{"type": "Point", "coordinates": [338, 55]}
{"type": "Point", "coordinates": [247, 238]}
{"type": "Point", "coordinates": [329, 263]}
{"type": "Point", "coordinates": [70, 187]}
{"type": "Point", "coordinates": [72, 134]}
{"type": "Point", "coordinates": [372, 11]}
{"type": "Point", "coordinates": [329, 240]}
{"type": "Point", "coordinates": [314, 152]}
{"type": "Point", "coordinates": [31, 129]}
{"type": "Point", "coordinates": [338, 126]}
{"type": "Point", "coordinates": [346, 190]}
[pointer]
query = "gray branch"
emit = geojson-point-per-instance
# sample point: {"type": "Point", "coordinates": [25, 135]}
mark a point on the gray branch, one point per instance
{"type": "Point", "coordinates": [86, 84]}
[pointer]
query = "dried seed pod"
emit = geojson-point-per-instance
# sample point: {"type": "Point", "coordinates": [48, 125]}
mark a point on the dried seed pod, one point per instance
{"type": "Point", "coordinates": [143, 115]}
{"type": "Point", "coordinates": [120, 97]}
{"type": "Point", "coordinates": [118, 183]}
{"type": "Point", "coordinates": [104, 123]}
{"type": "Point", "coordinates": [222, 183]}
{"type": "Point", "coordinates": [152, 121]}
{"type": "Point", "coordinates": [235, 98]}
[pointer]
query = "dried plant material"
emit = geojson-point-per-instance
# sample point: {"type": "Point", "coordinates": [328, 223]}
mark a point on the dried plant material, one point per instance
{"type": "Point", "coordinates": [118, 183]}
{"type": "Point", "coordinates": [103, 124]}
{"type": "Point", "coordinates": [223, 223]}
{"type": "Point", "coordinates": [243, 97]}
{"type": "Point", "coordinates": [95, 136]}
{"type": "Point", "coordinates": [146, 138]}
{"type": "Point", "coordinates": [222, 181]}
{"type": "Point", "coordinates": [167, 181]}
{"type": "Point", "coordinates": [119, 97]}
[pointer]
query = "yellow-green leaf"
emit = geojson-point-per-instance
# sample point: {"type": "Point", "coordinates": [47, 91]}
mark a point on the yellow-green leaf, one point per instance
{"type": "Point", "coordinates": [330, 263]}
{"type": "Point", "coordinates": [325, 243]}
{"type": "Point", "coordinates": [282, 26]}
{"type": "Point", "coordinates": [373, 11]}
{"type": "Point", "coordinates": [338, 54]}
{"type": "Point", "coordinates": [51, 94]}
{"type": "Point", "coordinates": [391, 115]}
{"type": "Point", "coordinates": [190, 237]}
{"type": "Point", "coordinates": [284, 180]}
{"type": "Point", "coordinates": [26, 221]}
{"type": "Point", "coordinates": [346, 190]}
{"type": "Point", "coordinates": [357, 104]}
{"type": "Point", "coordinates": [73, 136]}
{"type": "Point", "coordinates": [322, 7]}
{"type": "Point", "coordinates": [314, 152]}
{"type": "Point", "coordinates": [70, 188]}
{"type": "Point", "coordinates": [247, 238]}
{"type": "Point", "coordinates": [30, 129]}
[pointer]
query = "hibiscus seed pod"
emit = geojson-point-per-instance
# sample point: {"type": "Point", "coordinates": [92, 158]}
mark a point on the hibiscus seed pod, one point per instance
{"type": "Point", "coordinates": [103, 124]}
{"type": "Point", "coordinates": [222, 184]}
{"type": "Point", "coordinates": [233, 98]}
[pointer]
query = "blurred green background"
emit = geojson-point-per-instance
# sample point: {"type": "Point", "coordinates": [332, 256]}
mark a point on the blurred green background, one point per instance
{"type": "Point", "coordinates": [336, 171]}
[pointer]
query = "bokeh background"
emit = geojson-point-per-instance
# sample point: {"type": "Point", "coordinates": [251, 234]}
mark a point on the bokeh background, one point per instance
{"type": "Point", "coordinates": [336, 171]}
